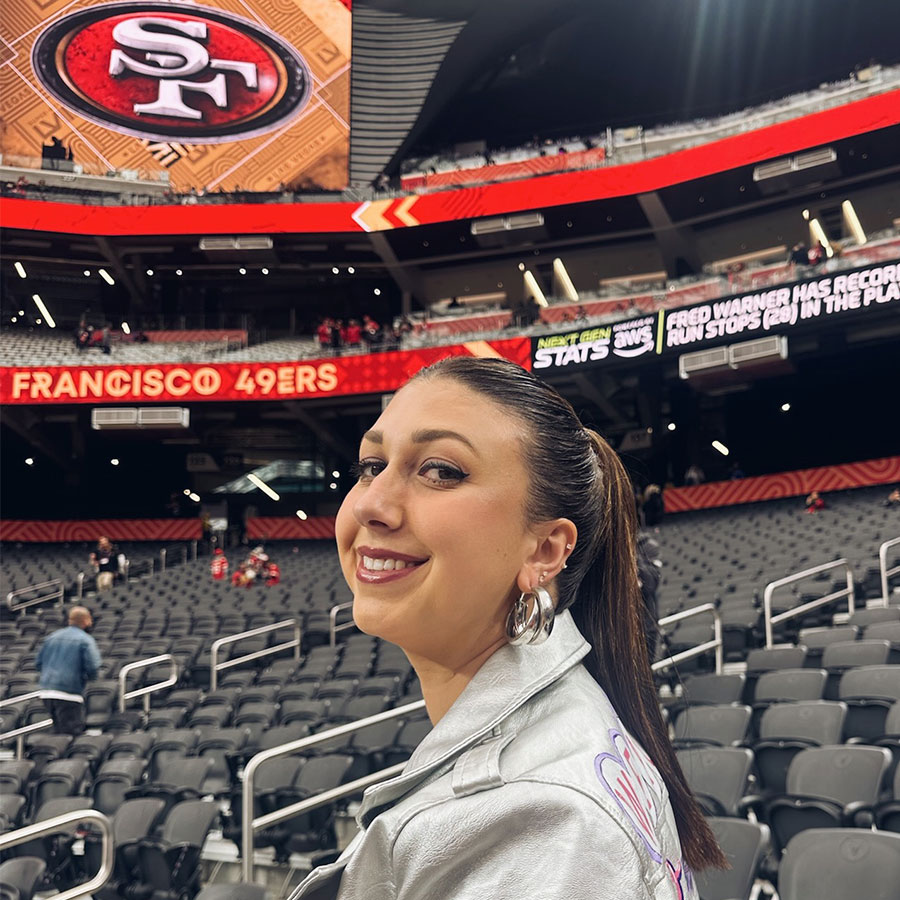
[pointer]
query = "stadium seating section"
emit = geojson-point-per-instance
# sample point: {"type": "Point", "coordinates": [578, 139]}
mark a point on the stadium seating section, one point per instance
{"type": "Point", "coordinates": [798, 741]}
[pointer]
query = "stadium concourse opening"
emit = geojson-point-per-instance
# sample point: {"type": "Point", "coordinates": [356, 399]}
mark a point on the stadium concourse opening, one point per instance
{"type": "Point", "coordinates": [230, 233]}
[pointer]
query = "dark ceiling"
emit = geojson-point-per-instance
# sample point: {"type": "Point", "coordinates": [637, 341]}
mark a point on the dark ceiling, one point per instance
{"type": "Point", "coordinates": [620, 63]}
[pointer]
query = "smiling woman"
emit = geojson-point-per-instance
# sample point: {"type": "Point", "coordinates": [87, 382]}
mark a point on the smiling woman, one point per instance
{"type": "Point", "coordinates": [491, 536]}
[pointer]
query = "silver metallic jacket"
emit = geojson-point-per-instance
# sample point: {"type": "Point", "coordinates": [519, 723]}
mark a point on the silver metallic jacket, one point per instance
{"type": "Point", "coordinates": [529, 787]}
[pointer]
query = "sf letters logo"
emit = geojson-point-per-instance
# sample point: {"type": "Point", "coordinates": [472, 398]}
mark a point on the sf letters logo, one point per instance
{"type": "Point", "coordinates": [171, 52]}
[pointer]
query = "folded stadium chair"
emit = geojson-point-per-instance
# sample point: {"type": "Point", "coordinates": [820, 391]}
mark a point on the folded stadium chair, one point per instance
{"type": "Point", "coordinates": [788, 728]}
{"type": "Point", "coordinates": [99, 702]}
{"type": "Point", "coordinates": [217, 715]}
{"type": "Point", "coordinates": [712, 689]}
{"type": "Point", "coordinates": [718, 777]}
{"type": "Point", "coordinates": [90, 747]}
{"type": "Point", "coordinates": [55, 849]}
{"type": "Point", "coordinates": [392, 661]}
{"type": "Point", "coordinates": [869, 692]}
{"type": "Point", "coordinates": [262, 713]}
{"type": "Point", "coordinates": [239, 891]}
{"type": "Point", "coordinates": [168, 717]}
{"type": "Point", "coordinates": [113, 780]}
{"type": "Point", "coordinates": [271, 778]}
{"type": "Point", "coordinates": [887, 813]}
{"type": "Point", "coordinates": [834, 864]}
{"type": "Point", "coordinates": [817, 639]}
{"type": "Point", "coordinates": [886, 631]}
{"type": "Point", "coordinates": [355, 708]}
{"type": "Point", "coordinates": [223, 696]}
{"type": "Point", "coordinates": [20, 877]}
{"type": "Point", "coordinates": [170, 745]}
{"type": "Point", "coordinates": [14, 775]}
{"type": "Point", "coordinates": [11, 808]}
{"type": "Point", "coordinates": [259, 693]}
{"type": "Point", "coordinates": [784, 686]}
{"type": "Point", "coordinates": [767, 659]}
{"type": "Point", "coordinates": [309, 711]}
{"type": "Point", "coordinates": [215, 749]}
{"type": "Point", "coordinates": [744, 844]}
{"type": "Point", "coordinates": [170, 866]}
{"type": "Point", "coordinates": [134, 743]}
{"type": "Point", "coordinates": [278, 673]}
{"type": "Point", "coordinates": [237, 679]}
{"type": "Point", "coordinates": [178, 780]}
{"type": "Point", "coordinates": [371, 744]}
{"type": "Point", "coordinates": [336, 691]}
{"type": "Point", "coordinates": [864, 617]}
{"type": "Point", "coordinates": [714, 726]}
{"type": "Point", "coordinates": [411, 734]}
{"type": "Point", "coordinates": [826, 787]}
{"type": "Point", "coordinates": [314, 830]}
{"type": "Point", "coordinates": [385, 685]}
{"type": "Point", "coordinates": [186, 698]}
{"type": "Point", "coordinates": [59, 778]}
{"type": "Point", "coordinates": [844, 655]}
{"type": "Point", "coordinates": [122, 722]}
{"type": "Point", "coordinates": [43, 747]}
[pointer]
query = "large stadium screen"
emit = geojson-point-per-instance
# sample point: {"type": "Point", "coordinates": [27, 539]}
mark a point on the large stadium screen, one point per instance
{"type": "Point", "coordinates": [250, 95]}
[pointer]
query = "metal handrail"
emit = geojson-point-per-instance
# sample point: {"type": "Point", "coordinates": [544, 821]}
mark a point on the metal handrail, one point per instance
{"type": "Point", "coordinates": [19, 733]}
{"type": "Point", "coordinates": [58, 594]}
{"type": "Point", "coordinates": [145, 692]}
{"type": "Point", "coordinates": [700, 649]}
{"type": "Point", "coordinates": [54, 825]}
{"type": "Point", "coordinates": [333, 627]}
{"type": "Point", "coordinates": [885, 571]}
{"type": "Point", "coordinates": [250, 825]}
{"type": "Point", "coordinates": [215, 666]}
{"type": "Point", "coordinates": [849, 592]}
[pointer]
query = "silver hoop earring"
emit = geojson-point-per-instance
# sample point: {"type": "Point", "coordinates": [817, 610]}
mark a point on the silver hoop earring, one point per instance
{"type": "Point", "coordinates": [530, 625]}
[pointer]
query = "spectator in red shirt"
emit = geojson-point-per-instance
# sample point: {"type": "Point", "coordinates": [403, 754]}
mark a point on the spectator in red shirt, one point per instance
{"type": "Point", "coordinates": [814, 503]}
{"type": "Point", "coordinates": [218, 566]}
{"type": "Point", "coordinates": [353, 334]}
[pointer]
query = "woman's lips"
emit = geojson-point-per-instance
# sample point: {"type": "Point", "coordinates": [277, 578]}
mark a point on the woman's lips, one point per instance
{"type": "Point", "coordinates": [382, 576]}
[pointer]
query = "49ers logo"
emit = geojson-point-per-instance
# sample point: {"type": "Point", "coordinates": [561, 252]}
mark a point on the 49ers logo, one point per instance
{"type": "Point", "coordinates": [171, 71]}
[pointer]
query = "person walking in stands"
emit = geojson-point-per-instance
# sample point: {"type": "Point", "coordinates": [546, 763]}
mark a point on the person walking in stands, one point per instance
{"type": "Point", "coordinates": [814, 502]}
{"type": "Point", "coordinates": [67, 659]}
{"type": "Point", "coordinates": [491, 536]}
{"type": "Point", "coordinates": [218, 565]}
{"type": "Point", "coordinates": [106, 563]}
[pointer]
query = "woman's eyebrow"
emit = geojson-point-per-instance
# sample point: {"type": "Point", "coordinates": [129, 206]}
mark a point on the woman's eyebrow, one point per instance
{"type": "Point", "coordinates": [426, 435]}
{"type": "Point", "coordinates": [373, 436]}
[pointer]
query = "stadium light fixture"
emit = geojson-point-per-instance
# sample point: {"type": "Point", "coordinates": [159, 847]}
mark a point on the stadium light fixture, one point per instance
{"type": "Point", "coordinates": [521, 267]}
{"type": "Point", "coordinates": [14, 319]}
{"type": "Point", "coordinates": [853, 223]}
{"type": "Point", "coordinates": [351, 270]}
{"type": "Point", "coordinates": [242, 270]}
{"type": "Point", "coordinates": [21, 312]}
{"type": "Point", "coordinates": [564, 281]}
{"type": "Point", "coordinates": [255, 479]}
{"type": "Point", "coordinates": [125, 328]}
{"type": "Point", "coordinates": [718, 445]}
{"type": "Point", "coordinates": [29, 461]}
{"type": "Point", "coordinates": [805, 214]}
{"type": "Point", "coordinates": [377, 292]}
{"type": "Point", "coordinates": [43, 309]}
{"type": "Point", "coordinates": [106, 276]}
{"type": "Point", "coordinates": [534, 289]}
{"type": "Point", "coordinates": [20, 269]}
{"type": "Point", "coordinates": [38, 320]}
{"type": "Point", "coordinates": [785, 407]}
{"type": "Point", "coordinates": [333, 486]}
{"type": "Point", "coordinates": [150, 272]}
{"type": "Point", "coordinates": [187, 492]}
{"type": "Point", "coordinates": [671, 426]}
{"type": "Point", "coordinates": [301, 515]}
{"type": "Point", "coordinates": [335, 270]}
{"type": "Point", "coordinates": [178, 272]}
{"type": "Point", "coordinates": [335, 474]}
{"type": "Point", "coordinates": [194, 497]}
{"type": "Point", "coordinates": [819, 236]}
{"type": "Point", "coordinates": [265, 271]}
{"type": "Point", "coordinates": [114, 461]}
{"type": "Point", "coordinates": [87, 273]}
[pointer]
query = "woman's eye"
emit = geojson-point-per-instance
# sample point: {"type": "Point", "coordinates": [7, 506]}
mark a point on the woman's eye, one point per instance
{"type": "Point", "coordinates": [442, 473]}
{"type": "Point", "coordinates": [367, 469]}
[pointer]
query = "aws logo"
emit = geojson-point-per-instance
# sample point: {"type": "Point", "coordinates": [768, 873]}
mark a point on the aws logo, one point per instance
{"type": "Point", "coordinates": [172, 71]}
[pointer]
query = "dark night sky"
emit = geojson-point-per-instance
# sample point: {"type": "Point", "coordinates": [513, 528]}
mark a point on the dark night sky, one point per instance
{"type": "Point", "coordinates": [628, 62]}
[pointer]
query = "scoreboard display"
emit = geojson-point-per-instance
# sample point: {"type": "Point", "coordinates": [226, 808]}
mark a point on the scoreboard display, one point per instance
{"type": "Point", "coordinates": [225, 95]}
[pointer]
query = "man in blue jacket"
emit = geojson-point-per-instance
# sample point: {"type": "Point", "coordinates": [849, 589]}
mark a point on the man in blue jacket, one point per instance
{"type": "Point", "coordinates": [67, 659]}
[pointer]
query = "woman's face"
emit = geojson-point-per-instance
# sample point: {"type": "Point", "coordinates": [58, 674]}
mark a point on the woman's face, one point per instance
{"type": "Point", "coordinates": [432, 538]}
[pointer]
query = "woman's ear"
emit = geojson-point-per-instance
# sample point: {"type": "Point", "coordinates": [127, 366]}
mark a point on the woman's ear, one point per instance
{"type": "Point", "coordinates": [555, 541]}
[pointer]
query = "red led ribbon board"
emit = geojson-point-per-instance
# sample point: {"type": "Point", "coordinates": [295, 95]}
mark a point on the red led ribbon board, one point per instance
{"type": "Point", "coordinates": [871, 114]}
{"type": "Point", "coordinates": [289, 528]}
{"type": "Point", "coordinates": [91, 529]}
{"type": "Point", "coordinates": [367, 374]}
{"type": "Point", "coordinates": [785, 484]}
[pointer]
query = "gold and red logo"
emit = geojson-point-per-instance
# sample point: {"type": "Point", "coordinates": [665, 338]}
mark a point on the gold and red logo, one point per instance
{"type": "Point", "coordinates": [172, 71]}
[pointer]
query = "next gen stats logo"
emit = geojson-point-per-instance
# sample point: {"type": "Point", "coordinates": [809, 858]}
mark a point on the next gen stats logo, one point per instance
{"type": "Point", "coordinates": [171, 71]}
{"type": "Point", "coordinates": [625, 340]}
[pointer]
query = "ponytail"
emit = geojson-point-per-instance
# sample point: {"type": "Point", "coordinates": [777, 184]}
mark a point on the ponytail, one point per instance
{"type": "Point", "coordinates": [600, 582]}
{"type": "Point", "coordinates": [609, 612]}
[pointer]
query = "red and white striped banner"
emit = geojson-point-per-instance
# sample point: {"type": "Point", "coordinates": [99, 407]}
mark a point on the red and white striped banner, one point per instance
{"type": "Point", "coordinates": [785, 484]}
{"type": "Point", "coordinates": [27, 531]}
{"type": "Point", "coordinates": [289, 528]}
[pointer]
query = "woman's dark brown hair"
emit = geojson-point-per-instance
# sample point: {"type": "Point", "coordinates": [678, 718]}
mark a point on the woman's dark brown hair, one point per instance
{"type": "Point", "coordinates": [576, 475]}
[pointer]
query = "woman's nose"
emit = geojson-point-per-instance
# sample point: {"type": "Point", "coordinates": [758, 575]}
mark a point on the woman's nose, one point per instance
{"type": "Point", "coordinates": [380, 503]}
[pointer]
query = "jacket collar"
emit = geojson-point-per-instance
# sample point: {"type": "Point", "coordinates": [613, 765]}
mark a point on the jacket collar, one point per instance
{"type": "Point", "coordinates": [506, 681]}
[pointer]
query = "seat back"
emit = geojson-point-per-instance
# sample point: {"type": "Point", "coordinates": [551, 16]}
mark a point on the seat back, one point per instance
{"type": "Point", "coordinates": [837, 863]}
{"type": "Point", "coordinates": [743, 844]}
{"type": "Point", "coordinates": [23, 874]}
{"type": "Point", "coordinates": [714, 725]}
{"type": "Point", "coordinates": [791, 684]}
{"type": "Point", "coordinates": [189, 822]}
{"type": "Point", "coordinates": [849, 654]}
{"type": "Point", "coordinates": [717, 776]}
{"type": "Point", "coordinates": [816, 721]}
{"type": "Point", "coordinates": [713, 689]}
{"type": "Point", "coordinates": [842, 774]}
{"type": "Point", "coordinates": [769, 658]}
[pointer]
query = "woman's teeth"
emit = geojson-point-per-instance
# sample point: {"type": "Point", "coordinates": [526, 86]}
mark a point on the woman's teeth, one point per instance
{"type": "Point", "coordinates": [386, 565]}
